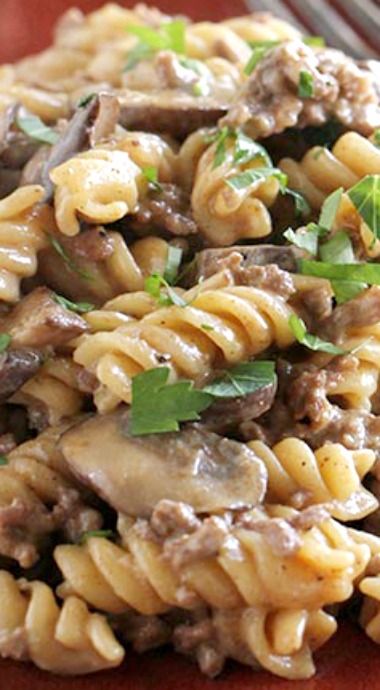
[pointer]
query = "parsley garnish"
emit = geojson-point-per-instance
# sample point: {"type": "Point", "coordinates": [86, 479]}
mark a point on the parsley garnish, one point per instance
{"type": "Point", "coordinates": [3, 460]}
{"type": "Point", "coordinates": [314, 41]}
{"type": "Point", "coordinates": [153, 286]}
{"type": "Point", "coordinates": [338, 249]}
{"type": "Point", "coordinates": [362, 273]}
{"type": "Point", "coordinates": [5, 341]}
{"type": "Point", "coordinates": [77, 307]}
{"type": "Point", "coordinates": [302, 206]}
{"type": "Point", "coordinates": [33, 126]}
{"type": "Point", "coordinates": [365, 196]}
{"type": "Point", "coordinates": [245, 179]}
{"type": "Point", "coordinates": [85, 100]}
{"type": "Point", "coordinates": [159, 407]}
{"type": "Point", "coordinates": [151, 175]}
{"type": "Point", "coordinates": [299, 330]}
{"type": "Point", "coordinates": [70, 263]}
{"type": "Point", "coordinates": [243, 379]}
{"type": "Point", "coordinates": [169, 36]}
{"type": "Point", "coordinates": [329, 209]}
{"type": "Point", "coordinates": [305, 84]}
{"type": "Point", "coordinates": [103, 533]}
{"type": "Point", "coordinates": [173, 262]}
{"type": "Point", "coordinates": [305, 238]}
{"type": "Point", "coordinates": [376, 138]}
{"type": "Point", "coordinates": [245, 148]}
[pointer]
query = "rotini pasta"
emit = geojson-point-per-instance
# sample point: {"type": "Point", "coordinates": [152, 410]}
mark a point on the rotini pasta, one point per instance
{"type": "Point", "coordinates": [188, 414]}
{"type": "Point", "coordinates": [224, 214]}
{"type": "Point", "coordinates": [22, 235]}
{"type": "Point", "coordinates": [37, 497]}
{"type": "Point", "coordinates": [332, 474]}
{"type": "Point", "coordinates": [281, 641]}
{"type": "Point", "coordinates": [240, 323]}
{"type": "Point", "coordinates": [100, 185]}
{"type": "Point", "coordinates": [68, 641]}
{"type": "Point", "coordinates": [325, 564]}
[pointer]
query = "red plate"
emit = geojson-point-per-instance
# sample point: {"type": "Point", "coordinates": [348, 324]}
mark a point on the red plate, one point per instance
{"type": "Point", "coordinates": [349, 661]}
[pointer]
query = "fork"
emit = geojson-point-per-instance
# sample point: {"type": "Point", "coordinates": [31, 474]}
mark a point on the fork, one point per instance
{"type": "Point", "coordinates": [350, 25]}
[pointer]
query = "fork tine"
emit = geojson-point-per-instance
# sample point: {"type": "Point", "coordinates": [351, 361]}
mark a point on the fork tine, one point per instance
{"type": "Point", "coordinates": [325, 20]}
{"type": "Point", "coordinates": [365, 14]}
{"type": "Point", "coordinates": [276, 7]}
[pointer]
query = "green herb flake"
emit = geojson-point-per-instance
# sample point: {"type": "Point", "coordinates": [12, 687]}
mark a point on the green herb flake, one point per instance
{"type": "Point", "coordinates": [362, 273]}
{"type": "Point", "coordinates": [151, 175]}
{"type": "Point", "coordinates": [338, 249]}
{"type": "Point", "coordinates": [33, 126]}
{"type": "Point", "coordinates": [158, 407]}
{"type": "Point", "coordinates": [301, 204]}
{"type": "Point", "coordinates": [312, 342]}
{"type": "Point", "coordinates": [70, 263]}
{"type": "Point", "coordinates": [344, 290]}
{"type": "Point", "coordinates": [255, 175]}
{"type": "Point", "coordinates": [102, 533]}
{"type": "Point", "coordinates": [169, 36]}
{"type": "Point", "coordinates": [3, 460]}
{"type": "Point", "coordinates": [207, 327]}
{"type": "Point", "coordinates": [243, 379]}
{"type": "Point", "coordinates": [154, 286]}
{"type": "Point", "coordinates": [246, 150]}
{"type": "Point", "coordinates": [173, 262]}
{"type": "Point", "coordinates": [85, 100]}
{"type": "Point", "coordinates": [304, 238]}
{"type": "Point", "coordinates": [77, 307]}
{"type": "Point", "coordinates": [376, 138]}
{"type": "Point", "coordinates": [329, 209]}
{"type": "Point", "coordinates": [5, 341]}
{"type": "Point", "coordinates": [220, 151]}
{"type": "Point", "coordinates": [257, 55]}
{"type": "Point", "coordinates": [365, 196]}
{"type": "Point", "coordinates": [305, 84]}
{"type": "Point", "coordinates": [314, 41]}
{"type": "Point", "coordinates": [140, 52]}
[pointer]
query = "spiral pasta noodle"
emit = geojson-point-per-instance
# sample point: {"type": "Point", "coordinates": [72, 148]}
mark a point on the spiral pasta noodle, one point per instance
{"type": "Point", "coordinates": [224, 214]}
{"type": "Point", "coordinates": [240, 323]}
{"type": "Point", "coordinates": [100, 185]}
{"type": "Point", "coordinates": [21, 237]}
{"type": "Point", "coordinates": [55, 389]}
{"type": "Point", "coordinates": [245, 571]}
{"type": "Point", "coordinates": [321, 171]}
{"type": "Point", "coordinates": [40, 497]}
{"type": "Point", "coordinates": [68, 640]}
{"type": "Point", "coordinates": [331, 474]}
{"type": "Point", "coordinates": [281, 641]}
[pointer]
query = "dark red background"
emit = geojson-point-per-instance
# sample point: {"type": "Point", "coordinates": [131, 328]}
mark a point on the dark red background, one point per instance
{"type": "Point", "coordinates": [350, 661]}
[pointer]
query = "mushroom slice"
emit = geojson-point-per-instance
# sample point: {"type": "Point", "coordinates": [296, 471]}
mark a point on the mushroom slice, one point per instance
{"type": "Point", "coordinates": [134, 473]}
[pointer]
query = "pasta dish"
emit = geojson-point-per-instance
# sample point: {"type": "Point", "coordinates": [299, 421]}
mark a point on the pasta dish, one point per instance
{"type": "Point", "coordinates": [189, 343]}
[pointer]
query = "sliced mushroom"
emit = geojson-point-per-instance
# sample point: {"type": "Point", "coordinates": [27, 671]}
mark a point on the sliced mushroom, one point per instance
{"type": "Point", "coordinates": [178, 115]}
{"type": "Point", "coordinates": [134, 473]}
{"type": "Point", "coordinates": [224, 415]}
{"type": "Point", "coordinates": [16, 367]}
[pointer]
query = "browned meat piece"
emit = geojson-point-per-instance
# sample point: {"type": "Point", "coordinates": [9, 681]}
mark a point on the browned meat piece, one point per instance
{"type": "Point", "coordinates": [309, 517]}
{"type": "Point", "coordinates": [240, 259]}
{"type": "Point", "coordinates": [143, 632]}
{"type": "Point", "coordinates": [269, 102]}
{"type": "Point", "coordinates": [92, 244]}
{"type": "Point", "coordinates": [178, 115]}
{"type": "Point", "coordinates": [167, 210]}
{"type": "Point", "coordinates": [205, 542]}
{"type": "Point", "coordinates": [363, 310]}
{"type": "Point", "coordinates": [173, 517]}
{"type": "Point", "coordinates": [15, 147]}
{"type": "Point", "coordinates": [7, 443]}
{"type": "Point", "coordinates": [39, 321]}
{"type": "Point", "coordinates": [72, 517]}
{"type": "Point", "coordinates": [224, 415]}
{"type": "Point", "coordinates": [317, 303]}
{"type": "Point", "coordinates": [16, 367]}
{"type": "Point", "coordinates": [195, 466]}
{"type": "Point", "coordinates": [282, 538]}
{"type": "Point", "coordinates": [24, 526]}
